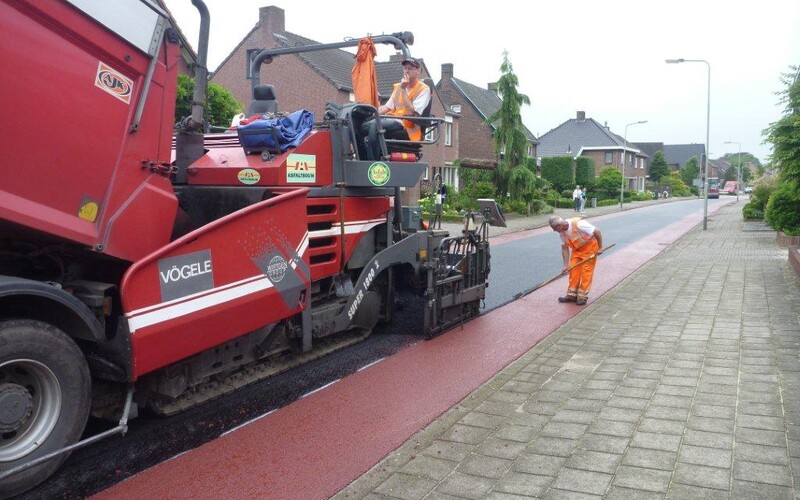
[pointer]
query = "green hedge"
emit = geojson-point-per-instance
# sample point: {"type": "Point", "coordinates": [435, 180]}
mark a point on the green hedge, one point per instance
{"type": "Point", "coordinates": [558, 170]}
{"type": "Point", "coordinates": [584, 171]}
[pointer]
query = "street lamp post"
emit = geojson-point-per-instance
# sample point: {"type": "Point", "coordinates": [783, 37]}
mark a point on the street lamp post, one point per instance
{"type": "Point", "coordinates": [708, 128]}
{"type": "Point", "coordinates": [739, 171]}
{"type": "Point", "coordinates": [624, 155]}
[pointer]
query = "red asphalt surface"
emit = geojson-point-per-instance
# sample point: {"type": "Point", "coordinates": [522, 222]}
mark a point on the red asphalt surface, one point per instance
{"type": "Point", "coordinates": [319, 444]}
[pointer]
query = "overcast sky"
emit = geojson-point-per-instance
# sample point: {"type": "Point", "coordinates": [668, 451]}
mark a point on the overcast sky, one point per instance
{"type": "Point", "coordinates": [602, 57]}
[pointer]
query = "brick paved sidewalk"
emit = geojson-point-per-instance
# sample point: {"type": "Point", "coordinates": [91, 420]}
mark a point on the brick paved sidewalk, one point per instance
{"type": "Point", "coordinates": [681, 382]}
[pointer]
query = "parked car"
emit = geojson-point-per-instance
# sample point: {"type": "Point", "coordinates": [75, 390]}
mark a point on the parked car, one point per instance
{"type": "Point", "coordinates": [731, 187]}
{"type": "Point", "coordinates": [748, 189]}
{"type": "Point", "coordinates": [713, 191]}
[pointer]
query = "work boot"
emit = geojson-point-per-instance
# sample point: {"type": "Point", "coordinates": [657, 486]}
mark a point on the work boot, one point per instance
{"type": "Point", "coordinates": [581, 301]}
{"type": "Point", "coordinates": [568, 299]}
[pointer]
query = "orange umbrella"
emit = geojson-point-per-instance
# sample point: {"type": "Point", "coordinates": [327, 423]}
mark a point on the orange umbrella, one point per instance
{"type": "Point", "coordinates": [365, 81]}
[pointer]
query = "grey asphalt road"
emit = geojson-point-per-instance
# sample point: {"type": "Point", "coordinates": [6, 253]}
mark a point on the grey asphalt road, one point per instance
{"type": "Point", "coordinates": [523, 263]}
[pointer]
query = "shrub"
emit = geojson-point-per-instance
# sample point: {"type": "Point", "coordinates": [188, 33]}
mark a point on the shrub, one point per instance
{"type": "Point", "coordinates": [782, 212]}
{"type": "Point", "coordinates": [540, 207]}
{"type": "Point", "coordinates": [762, 189]}
{"type": "Point", "coordinates": [751, 211]}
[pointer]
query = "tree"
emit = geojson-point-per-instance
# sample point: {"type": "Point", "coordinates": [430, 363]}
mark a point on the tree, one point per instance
{"type": "Point", "coordinates": [783, 208]}
{"type": "Point", "coordinates": [609, 181]}
{"type": "Point", "coordinates": [690, 170]}
{"type": "Point", "coordinates": [658, 167]}
{"type": "Point", "coordinates": [510, 142]}
{"type": "Point", "coordinates": [220, 107]}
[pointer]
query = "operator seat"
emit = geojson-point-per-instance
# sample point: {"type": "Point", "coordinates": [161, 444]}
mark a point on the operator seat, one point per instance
{"type": "Point", "coordinates": [263, 101]}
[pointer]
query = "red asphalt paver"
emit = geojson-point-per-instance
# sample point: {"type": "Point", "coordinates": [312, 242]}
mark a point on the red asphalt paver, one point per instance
{"type": "Point", "coordinates": [320, 443]}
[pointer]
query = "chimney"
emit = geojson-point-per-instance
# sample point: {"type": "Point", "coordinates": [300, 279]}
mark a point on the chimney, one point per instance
{"type": "Point", "coordinates": [581, 116]}
{"type": "Point", "coordinates": [272, 19]}
{"type": "Point", "coordinates": [447, 70]}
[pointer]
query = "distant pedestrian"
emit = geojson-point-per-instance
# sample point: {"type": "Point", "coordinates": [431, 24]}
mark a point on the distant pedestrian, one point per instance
{"type": "Point", "coordinates": [583, 200]}
{"type": "Point", "coordinates": [576, 198]}
{"type": "Point", "coordinates": [579, 241]}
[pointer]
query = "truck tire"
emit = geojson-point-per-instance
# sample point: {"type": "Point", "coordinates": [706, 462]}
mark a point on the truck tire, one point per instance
{"type": "Point", "coordinates": [45, 396]}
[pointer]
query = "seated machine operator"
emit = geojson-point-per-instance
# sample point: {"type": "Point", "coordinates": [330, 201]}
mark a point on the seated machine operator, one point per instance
{"type": "Point", "coordinates": [410, 97]}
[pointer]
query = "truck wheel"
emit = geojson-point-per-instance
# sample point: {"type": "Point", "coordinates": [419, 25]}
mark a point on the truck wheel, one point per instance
{"type": "Point", "coordinates": [45, 393]}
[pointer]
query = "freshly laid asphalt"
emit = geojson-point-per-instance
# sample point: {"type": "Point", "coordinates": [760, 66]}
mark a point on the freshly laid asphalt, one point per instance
{"type": "Point", "coordinates": [682, 381]}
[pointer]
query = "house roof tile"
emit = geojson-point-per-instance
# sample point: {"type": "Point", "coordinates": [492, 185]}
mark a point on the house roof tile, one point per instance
{"type": "Point", "coordinates": [573, 136]}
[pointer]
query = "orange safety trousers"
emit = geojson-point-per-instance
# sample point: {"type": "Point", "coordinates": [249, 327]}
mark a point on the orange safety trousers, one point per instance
{"type": "Point", "coordinates": [580, 277]}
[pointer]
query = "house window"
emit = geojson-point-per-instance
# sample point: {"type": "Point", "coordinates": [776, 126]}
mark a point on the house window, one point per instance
{"type": "Point", "coordinates": [450, 176]}
{"type": "Point", "coordinates": [448, 134]}
{"type": "Point", "coordinates": [609, 157]}
{"type": "Point", "coordinates": [530, 150]}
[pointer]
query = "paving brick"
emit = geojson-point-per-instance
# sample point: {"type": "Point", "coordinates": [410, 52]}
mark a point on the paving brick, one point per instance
{"type": "Point", "coordinates": [760, 436]}
{"type": "Point", "coordinates": [713, 411]}
{"type": "Point", "coordinates": [449, 450]}
{"type": "Point", "coordinates": [643, 479]}
{"type": "Point", "coordinates": [406, 487]}
{"type": "Point", "coordinates": [666, 413]}
{"type": "Point", "coordinates": [710, 424]}
{"type": "Point", "coordinates": [519, 433]}
{"type": "Point", "coordinates": [708, 439]}
{"type": "Point", "coordinates": [604, 443]}
{"type": "Point", "coordinates": [594, 461]}
{"type": "Point", "coordinates": [777, 455]}
{"type": "Point", "coordinates": [698, 455]}
{"type": "Point", "coordinates": [501, 448]}
{"type": "Point", "coordinates": [760, 422]}
{"type": "Point", "coordinates": [552, 446]}
{"type": "Point", "coordinates": [556, 494]}
{"type": "Point", "coordinates": [743, 490]}
{"type": "Point", "coordinates": [574, 416]}
{"type": "Point", "coordinates": [662, 426]}
{"type": "Point", "coordinates": [497, 408]}
{"type": "Point", "coordinates": [466, 434]}
{"type": "Point", "coordinates": [565, 430]}
{"type": "Point", "coordinates": [478, 419]}
{"type": "Point", "coordinates": [779, 475]}
{"type": "Point", "coordinates": [685, 491]}
{"type": "Point", "coordinates": [582, 481]}
{"type": "Point", "coordinates": [702, 475]}
{"type": "Point", "coordinates": [484, 466]}
{"type": "Point", "coordinates": [544, 465]}
{"type": "Point", "coordinates": [465, 486]}
{"type": "Point", "coordinates": [429, 467]}
{"type": "Point", "coordinates": [655, 441]}
{"type": "Point", "coordinates": [649, 459]}
{"type": "Point", "coordinates": [620, 414]}
{"type": "Point", "coordinates": [516, 398]}
{"type": "Point", "coordinates": [519, 483]}
{"type": "Point", "coordinates": [612, 428]}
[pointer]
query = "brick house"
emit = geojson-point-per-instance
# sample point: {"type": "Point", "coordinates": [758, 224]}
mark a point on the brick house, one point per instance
{"type": "Point", "coordinates": [308, 80]}
{"type": "Point", "coordinates": [581, 136]}
{"type": "Point", "coordinates": [472, 105]}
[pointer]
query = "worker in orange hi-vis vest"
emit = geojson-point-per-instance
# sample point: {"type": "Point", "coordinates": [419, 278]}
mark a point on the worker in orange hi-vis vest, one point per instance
{"type": "Point", "coordinates": [410, 97]}
{"type": "Point", "coordinates": [580, 241]}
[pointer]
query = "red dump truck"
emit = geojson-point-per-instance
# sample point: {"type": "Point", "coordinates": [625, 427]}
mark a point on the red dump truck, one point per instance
{"type": "Point", "coordinates": [130, 281]}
